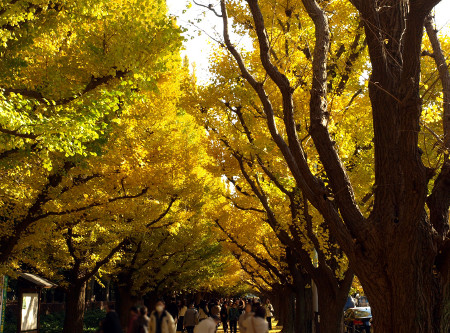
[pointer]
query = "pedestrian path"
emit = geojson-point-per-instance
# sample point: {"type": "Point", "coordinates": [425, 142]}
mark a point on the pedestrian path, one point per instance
{"type": "Point", "coordinates": [276, 329]}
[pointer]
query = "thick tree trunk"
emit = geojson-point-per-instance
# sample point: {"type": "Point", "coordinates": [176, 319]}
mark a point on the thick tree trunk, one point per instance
{"type": "Point", "coordinates": [396, 268]}
{"type": "Point", "coordinates": [403, 289]}
{"type": "Point", "coordinates": [74, 308]}
{"type": "Point", "coordinates": [283, 310]}
{"type": "Point", "coordinates": [331, 311]}
{"type": "Point", "coordinates": [403, 304]}
{"type": "Point", "coordinates": [287, 310]}
{"type": "Point", "coordinates": [275, 300]}
{"type": "Point", "coordinates": [444, 312]}
{"type": "Point", "coordinates": [303, 310]}
{"type": "Point", "coordinates": [396, 264]}
{"type": "Point", "coordinates": [125, 302]}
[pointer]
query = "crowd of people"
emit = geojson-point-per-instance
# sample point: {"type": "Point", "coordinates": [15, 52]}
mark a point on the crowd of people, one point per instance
{"type": "Point", "coordinates": [245, 315]}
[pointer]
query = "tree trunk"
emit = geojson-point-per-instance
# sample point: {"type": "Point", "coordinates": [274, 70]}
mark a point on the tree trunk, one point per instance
{"type": "Point", "coordinates": [286, 309]}
{"type": "Point", "coordinates": [396, 263]}
{"type": "Point", "coordinates": [74, 308]}
{"type": "Point", "coordinates": [404, 294]}
{"type": "Point", "coordinates": [331, 311]}
{"type": "Point", "coordinates": [275, 300]}
{"type": "Point", "coordinates": [396, 267]}
{"type": "Point", "coordinates": [303, 310]}
{"type": "Point", "coordinates": [444, 312]}
{"type": "Point", "coordinates": [125, 303]}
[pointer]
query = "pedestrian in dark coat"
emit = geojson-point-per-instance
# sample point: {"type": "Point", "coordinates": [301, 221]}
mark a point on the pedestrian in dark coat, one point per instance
{"type": "Point", "coordinates": [233, 317]}
{"type": "Point", "coordinates": [111, 323]}
{"type": "Point", "coordinates": [224, 317]}
{"type": "Point", "coordinates": [172, 308]}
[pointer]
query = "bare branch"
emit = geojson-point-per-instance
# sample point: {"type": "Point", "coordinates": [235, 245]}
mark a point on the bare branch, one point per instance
{"type": "Point", "coordinates": [210, 7]}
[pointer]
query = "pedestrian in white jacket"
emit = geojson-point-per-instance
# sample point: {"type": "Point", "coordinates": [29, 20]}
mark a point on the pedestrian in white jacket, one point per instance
{"type": "Point", "coordinates": [256, 323]}
{"type": "Point", "coordinates": [160, 320]}
{"type": "Point", "coordinates": [244, 316]}
{"type": "Point", "coordinates": [208, 325]}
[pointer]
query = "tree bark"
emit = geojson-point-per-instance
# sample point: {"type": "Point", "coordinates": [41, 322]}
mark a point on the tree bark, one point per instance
{"type": "Point", "coordinates": [287, 309]}
{"type": "Point", "coordinates": [74, 308]}
{"type": "Point", "coordinates": [126, 301]}
{"type": "Point", "coordinates": [303, 309]}
{"type": "Point", "coordinates": [400, 251]}
{"type": "Point", "coordinates": [331, 319]}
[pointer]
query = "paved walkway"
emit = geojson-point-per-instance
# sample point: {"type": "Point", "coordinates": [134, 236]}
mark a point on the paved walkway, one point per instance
{"type": "Point", "coordinates": [275, 328]}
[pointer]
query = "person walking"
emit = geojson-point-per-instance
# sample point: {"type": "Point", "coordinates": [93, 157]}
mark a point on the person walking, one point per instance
{"type": "Point", "coordinates": [233, 317]}
{"type": "Point", "coordinates": [181, 312]}
{"type": "Point", "coordinates": [247, 313]}
{"type": "Point", "coordinates": [224, 317]}
{"type": "Point", "coordinates": [208, 325]}
{"type": "Point", "coordinates": [203, 311]}
{"type": "Point", "coordinates": [269, 313]}
{"type": "Point", "coordinates": [241, 306]}
{"type": "Point", "coordinates": [190, 318]}
{"type": "Point", "coordinates": [133, 316]}
{"type": "Point", "coordinates": [160, 320]}
{"type": "Point", "coordinates": [172, 308]}
{"type": "Point", "coordinates": [142, 322]}
{"type": "Point", "coordinates": [111, 323]}
{"type": "Point", "coordinates": [257, 323]}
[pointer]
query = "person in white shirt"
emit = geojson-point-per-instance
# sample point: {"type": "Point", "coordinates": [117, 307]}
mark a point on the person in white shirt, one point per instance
{"type": "Point", "coordinates": [208, 325]}
{"type": "Point", "coordinates": [244, 316]}
{"type": "Point", "coordinates": [257, 323]}
{"type": "Point", "coordinates": [269, 313]}
{"type": "Point", "coordinates": [160, 320]}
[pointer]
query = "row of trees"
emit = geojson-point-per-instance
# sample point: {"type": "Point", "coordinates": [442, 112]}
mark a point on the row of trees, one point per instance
{"type": "Point", "coordinates": [332, 130]}
{"type": "Point", "coordinates": [114, 161]}
{"type": "Point", "coordinates": [103, 173]}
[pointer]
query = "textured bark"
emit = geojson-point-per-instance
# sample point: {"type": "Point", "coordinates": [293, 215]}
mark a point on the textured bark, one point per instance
{"type": "Point", "coordinates": [303, 310]}
{"type": "Point", "coordinates": [125, 302]}
{"type": "Point", "coordinates": [401, 249]}
{"type": "Point", "coordinates": [75, 306]}
{"type": "Point", "coordinates": [285, 307]}
{"type": "Point", "coordinates": [331, 319]}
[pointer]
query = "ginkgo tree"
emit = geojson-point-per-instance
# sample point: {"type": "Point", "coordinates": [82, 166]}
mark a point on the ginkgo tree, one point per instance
{"type": "Point", "coordinates": [260, 175]}
{"type": "Point", "coordinates": [182, 258]}
{"type": "Point", "coordinates": [70, 68]}
{"type": "Point", "coordinates": [400, 241]}
{"type": "Point", "coordinates": [151, 175]}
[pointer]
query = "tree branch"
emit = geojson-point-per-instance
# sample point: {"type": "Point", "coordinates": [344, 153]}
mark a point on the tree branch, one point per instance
{"type": "Point", "coordinates": [261, 261]}
{"type": "Point", "coordinates": [106, 259]}
{"type": "Point", "coordinates": [164, 213]}
{"type": "Point", "coordinates": [444, 75]}
{"type": "Point", "coordinates": [90, 86]}
{"type": "Point", "coordinates": [210, 7]}
{"type": "Point", "coordinates": [17, 134]}
{"type": "Point", "coordinates": [439, 200]}
{"type": "Point", "coordinates": [92, 205]}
